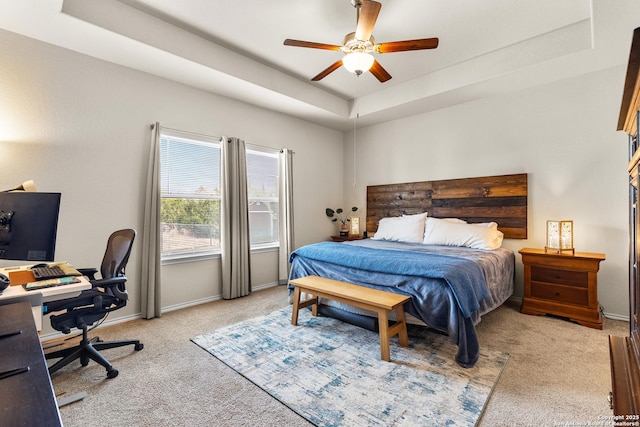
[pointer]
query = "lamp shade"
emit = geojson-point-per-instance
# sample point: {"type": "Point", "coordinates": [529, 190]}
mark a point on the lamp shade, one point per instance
{"type": "Point", "coordinates": [559, 236]}
{"type": "Point", "coordinates": [357, 62]}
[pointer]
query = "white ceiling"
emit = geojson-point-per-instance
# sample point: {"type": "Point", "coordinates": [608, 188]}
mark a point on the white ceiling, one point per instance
{"type": "Point", "coordinates": [235, 48]}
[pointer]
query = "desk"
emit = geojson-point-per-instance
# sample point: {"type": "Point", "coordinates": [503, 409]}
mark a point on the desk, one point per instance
{"type": "Point", "coordinates": [26, 399]}
{"type": "Point", "coordinates": [38, 297]}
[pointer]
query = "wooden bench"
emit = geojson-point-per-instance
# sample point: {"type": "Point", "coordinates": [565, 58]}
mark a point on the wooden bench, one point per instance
{"type": "Point", "coordinates": [375, 300]}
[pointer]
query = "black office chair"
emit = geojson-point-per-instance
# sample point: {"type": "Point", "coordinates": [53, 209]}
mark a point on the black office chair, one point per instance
{"type": "Point", "coordinates": [106, 295]}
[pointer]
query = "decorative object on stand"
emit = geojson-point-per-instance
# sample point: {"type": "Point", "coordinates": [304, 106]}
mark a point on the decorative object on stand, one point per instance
{"type": "Point", "coordinates": [559, 236]}
{"type": "Point", "coordinates": [340, 215]}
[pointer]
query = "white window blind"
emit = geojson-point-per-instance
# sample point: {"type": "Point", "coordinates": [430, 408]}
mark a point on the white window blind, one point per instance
{"type": "Point", "coordinates": [191, 195]}
{"type": "Point", "coordinates": [262, 177]}
{"type": "Point", "coordinates": [190, 191]}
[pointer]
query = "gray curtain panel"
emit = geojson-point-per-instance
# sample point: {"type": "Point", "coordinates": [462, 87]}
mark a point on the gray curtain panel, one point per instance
{"type": "Point", "coordinates": [234, 230]}
{"type": "Point", "coordinates": [151, 247]}
{"type": "Point", "coordinates": [286, 215]}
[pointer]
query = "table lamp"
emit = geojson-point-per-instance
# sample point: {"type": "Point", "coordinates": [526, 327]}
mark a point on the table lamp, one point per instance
{"type": "Point", "coordinates": [559, 236]}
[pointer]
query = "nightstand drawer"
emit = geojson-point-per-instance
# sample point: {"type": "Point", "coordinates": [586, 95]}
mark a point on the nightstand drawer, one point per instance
{"type": "Point", "coordinates": [562, 277]}
{"type": "Point", "coordinates": [561, 293]}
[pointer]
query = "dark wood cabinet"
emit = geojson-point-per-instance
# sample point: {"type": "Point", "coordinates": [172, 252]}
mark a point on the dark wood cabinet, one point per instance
{"type": "Point", "coordinates": [562, 284]}
{"type": "Point", "coordinates": [624, 351]}
{"type": "Point", "coordinates": [26, 398]}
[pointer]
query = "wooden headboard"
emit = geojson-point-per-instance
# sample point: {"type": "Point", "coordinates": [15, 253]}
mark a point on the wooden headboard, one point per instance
{"type": "Point", "coordinates": [502, 199]}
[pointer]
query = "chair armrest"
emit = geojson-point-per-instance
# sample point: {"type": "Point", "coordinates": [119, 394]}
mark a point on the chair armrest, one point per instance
{"type": "Point", "coordinates": [113, 284]}
{"type": "Point", "coordinates": [108, 283]}
{"type": "Point", "coordinates": [89, 272]}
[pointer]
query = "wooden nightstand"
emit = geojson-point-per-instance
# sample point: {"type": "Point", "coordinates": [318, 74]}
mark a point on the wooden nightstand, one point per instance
{"type": "Point", "coordinates": [562, 284]}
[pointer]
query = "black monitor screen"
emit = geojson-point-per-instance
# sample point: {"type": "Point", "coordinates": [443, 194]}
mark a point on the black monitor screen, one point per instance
{"type": "Point", "coordinates": [28, 225]}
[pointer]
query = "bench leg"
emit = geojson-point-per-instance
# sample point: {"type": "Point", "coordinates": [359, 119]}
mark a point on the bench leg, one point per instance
{"type": "Point", "coordinates": [398, 328]}
{"type": "Point", "coordinates": [403, 336]}
{"type": "Point", "coordinates": [383, 325]}
{"type": "Point", "coordinates": [296, 306]}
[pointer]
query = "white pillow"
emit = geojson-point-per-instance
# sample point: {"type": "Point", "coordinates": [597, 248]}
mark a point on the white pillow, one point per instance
{"type": "Point", "coordinates": [456, 220]}
{"type": "Point", "coordinates": [422, 215]}
{"type": "Point", "coordinates": [441, 232]}
{"type": "Point", "coordinates": [493, 225]}
{"type": "Point", "coordinates": [401, 229]}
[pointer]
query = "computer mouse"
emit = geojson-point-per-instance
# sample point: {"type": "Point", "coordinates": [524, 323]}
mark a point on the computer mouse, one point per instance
{"type": "Point", "coordinates": [4, 282]}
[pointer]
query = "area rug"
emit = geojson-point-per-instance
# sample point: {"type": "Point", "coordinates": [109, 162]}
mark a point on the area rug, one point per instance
{"type": "Point", "coordinates": [330, 372]}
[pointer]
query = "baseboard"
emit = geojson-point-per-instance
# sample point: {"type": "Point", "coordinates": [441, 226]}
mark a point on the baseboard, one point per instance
{"type": "Point", "coordinates": [174, 307]}
{"type": "Point", "coordinates": [514, 299]}
{"type": "Point", "coordinates": [267, 285]}
{"type": "Point", "coordinates": [190, 303]}
{"type": "Point", "coordinates": [212, 298]}
{"type": "Point", "coordinates": [614, 316]}
{"type": "Point", "coordinates": [167, 309]}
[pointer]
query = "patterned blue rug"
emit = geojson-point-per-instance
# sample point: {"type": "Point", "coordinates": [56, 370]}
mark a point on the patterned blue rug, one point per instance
{"type": "Point", "coordinates": [330, 372]}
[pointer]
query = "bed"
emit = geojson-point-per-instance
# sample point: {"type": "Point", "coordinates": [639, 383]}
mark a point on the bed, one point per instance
{"type": "Point", "coordinates": [438, 242]}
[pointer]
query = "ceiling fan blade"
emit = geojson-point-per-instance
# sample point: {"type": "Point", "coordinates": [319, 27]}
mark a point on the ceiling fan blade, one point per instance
{"type": "Point", "coordinates": [330, 69]}
{"type": "Point", "coordinates": [406, 45]}
{"type": "Point", "coordinates": [367, 19]}
{"type": "Point", "coordinates": [313, 45]}
{"type": "Point", "coordinates": [379, 72]}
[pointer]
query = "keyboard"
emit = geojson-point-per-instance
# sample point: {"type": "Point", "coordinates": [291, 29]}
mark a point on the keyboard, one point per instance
{"type": "Point", "coordinates": [49, 283]}
{"type": "Point", "coordinates": [45, 273]}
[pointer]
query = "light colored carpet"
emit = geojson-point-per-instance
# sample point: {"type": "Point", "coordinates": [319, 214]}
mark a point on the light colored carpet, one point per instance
{"type": "Point", "coordinates": [330, 372]}
{"type": "Point", "coordinates": [557, 372]}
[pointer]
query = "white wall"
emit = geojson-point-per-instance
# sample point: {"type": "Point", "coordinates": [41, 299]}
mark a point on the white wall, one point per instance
{"type": "Point", "coordinates": [80, 126]}
{"type": "Point", "coordinates": [563, 135]}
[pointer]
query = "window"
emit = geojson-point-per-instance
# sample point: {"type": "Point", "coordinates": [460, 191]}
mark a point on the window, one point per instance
{"type": "Point", "coordinates": [262, 188]}
{"type": "Point", "coordinates": [191, 196]}
{"type": "Point", "coordinates": [190, 191]}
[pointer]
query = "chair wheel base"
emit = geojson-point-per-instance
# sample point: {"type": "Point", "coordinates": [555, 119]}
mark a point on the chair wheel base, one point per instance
{"type": "Point", "coordinates": [112, 373]}
{"type": "Point", "coordinates": [138, 347]}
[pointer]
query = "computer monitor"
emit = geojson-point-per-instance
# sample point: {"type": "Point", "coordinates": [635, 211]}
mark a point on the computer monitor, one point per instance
{"type": "Point", "coordinates": [28, 225]}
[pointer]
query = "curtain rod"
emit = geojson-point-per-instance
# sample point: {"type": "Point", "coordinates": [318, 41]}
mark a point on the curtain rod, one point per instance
{"type": "Point", "coordinates": [187, 132]}
{"type": "Point", "coordinates": [269, 148]}
{"type": "Point", "coordinates": [218, 137]}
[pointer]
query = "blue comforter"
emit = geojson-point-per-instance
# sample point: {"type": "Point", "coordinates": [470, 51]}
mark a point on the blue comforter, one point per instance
{"type": "Point", "coordinates": [464, 277]}
{"type": "Point", "coordinates": [446, 290]}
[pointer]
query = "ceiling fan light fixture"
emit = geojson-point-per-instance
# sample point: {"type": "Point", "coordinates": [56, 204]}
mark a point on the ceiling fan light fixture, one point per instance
{"type": "Point", "coordinates": [358, 62]}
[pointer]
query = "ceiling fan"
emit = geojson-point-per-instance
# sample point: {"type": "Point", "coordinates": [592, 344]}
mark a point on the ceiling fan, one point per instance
{"type": "Point", "coordinates": [358, 45]}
